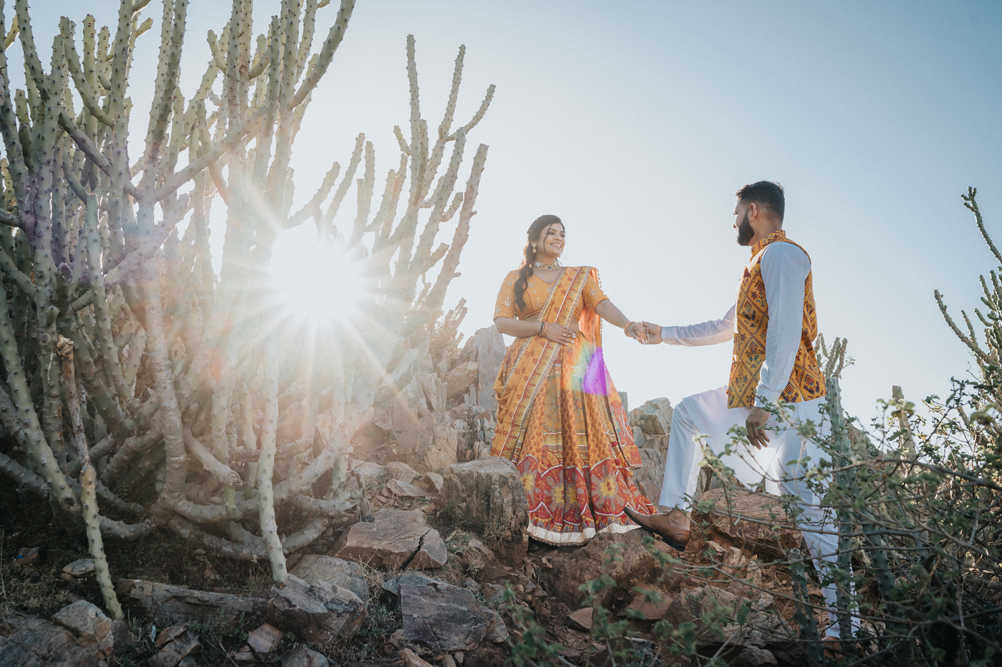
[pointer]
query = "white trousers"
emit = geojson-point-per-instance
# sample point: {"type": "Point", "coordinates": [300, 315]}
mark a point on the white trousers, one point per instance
{"type": "Point", "coordinates": [704, 420]}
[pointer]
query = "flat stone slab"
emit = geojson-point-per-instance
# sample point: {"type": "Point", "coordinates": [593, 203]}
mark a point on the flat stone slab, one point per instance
{"type": "Point", "coordinates": [335, 571]}
{"type": "Point", "coordinates": [318, 613]}
{"type": "Point", "coordinates": [449, 619]}
{"type": "Point", "coordinates": [396, 539]}
{"type": "Point", "coordinates": [33, 642]}
{"type": "Point", "coordinates": [167, 604]}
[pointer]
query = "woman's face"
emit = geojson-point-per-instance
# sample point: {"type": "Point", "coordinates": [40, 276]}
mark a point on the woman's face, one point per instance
{"type": "Point", "coordinates": [550, 242]}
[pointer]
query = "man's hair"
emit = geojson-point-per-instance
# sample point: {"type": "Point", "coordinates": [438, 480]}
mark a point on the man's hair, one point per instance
{"type": "Point", "coordinates": [765, 193]}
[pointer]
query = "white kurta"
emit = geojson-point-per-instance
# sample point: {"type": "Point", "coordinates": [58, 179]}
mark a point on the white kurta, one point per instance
{"type": "Point", "coordinates": [704, 419]}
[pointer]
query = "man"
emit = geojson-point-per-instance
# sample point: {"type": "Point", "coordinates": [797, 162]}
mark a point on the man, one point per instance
{"type": "Point", "coordinates": [773, 326]}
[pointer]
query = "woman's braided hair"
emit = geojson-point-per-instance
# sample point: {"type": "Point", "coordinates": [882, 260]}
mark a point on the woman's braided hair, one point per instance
{"type": "Point", "coordinates": [524, 271]}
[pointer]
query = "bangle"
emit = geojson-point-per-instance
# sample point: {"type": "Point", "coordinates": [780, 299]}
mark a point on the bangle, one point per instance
{"type": "Point", "coordinates": [541, 325]}
{"type": "Point", "coordinates": [542, 329]}
{"type": "Point", "coordinates": [627, 327]}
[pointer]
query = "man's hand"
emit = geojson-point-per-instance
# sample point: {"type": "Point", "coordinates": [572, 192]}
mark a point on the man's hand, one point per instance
{"type": "Point", "coordinates": [755, 425]}
{"type": "Point", "coordinates": [653, 332]}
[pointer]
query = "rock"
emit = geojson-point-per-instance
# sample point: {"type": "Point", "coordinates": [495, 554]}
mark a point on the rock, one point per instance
{"type": "Point", "coordinates": [89, 623]}
{"type": "Point", "coordinates": [401, 472]}
{"type": "Point", "coordinates": [459, 379]}
{"type": "Point", "coordinates": [78, 569]}
{"type": "Point", "coordinates": [476, 554]}
{"type": "Point", "coordinates": [635, 566]}
{"type": "Point", "coordinates": [648, 610]}
{"type": "Point", "coordinates": [486, 496]}
{"type": "Point", "coordinates": [405, 490]}
{"type": "Point", "coordinates": [33, 642]}
{"type": "Point", "coordinates": [653, 417]}
{"type": "Point", "coordinates": [427, 445]}
{"type": "Point", "coordinates": [396, 539]}
{"type": "Point", "coordinates": [265, 639]}
{"type": "Point", "coordinates": [369, 472]}
{"type": "Point", "coordinates": [638, 437]}
{"type": "Point", "coordinates": [167, 604]}
{"type": "Point", "coordinates": [123, 638]}
{"type": "Point", "coordinates": [435, 480]}
{"type": "Point", "coordinates": [650, 476]}
{"type": "Point", "coordinates": [318, 613]}
{"type": "Point", "coordinates": [487, 348]}
{"type": "Point", "coordinates": [448, 619]}
{"type": "Point", "coordinates": [769, 536]}
{"type": "Point", "coordinates": [763, 626]}
{"type": "Point", "coordinates": [177, 642]}
{"type": "Point", "coordinates": [336, 572]}
{"type": "Point", "coordinates": [304, 657]}
{"type": "Point", "coordinates": [754, 657]}
{"type": "Point", "coordinates": [393, 584]}
{"type": "Point", "coordinates": [411, 659]}
{"type": "Point", "coordinates": [580, 619]}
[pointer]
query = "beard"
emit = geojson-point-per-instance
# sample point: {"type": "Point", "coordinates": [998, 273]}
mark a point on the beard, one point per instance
{"type": "Point", "coordinates": [745, 231]}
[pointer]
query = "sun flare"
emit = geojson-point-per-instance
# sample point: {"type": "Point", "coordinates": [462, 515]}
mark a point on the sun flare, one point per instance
{"type": "Point", "coordinates": [319, 282]}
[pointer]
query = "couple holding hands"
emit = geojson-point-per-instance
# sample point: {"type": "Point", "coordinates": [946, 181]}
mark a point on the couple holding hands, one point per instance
{"type": "Point", "coordinates": [561, 420]}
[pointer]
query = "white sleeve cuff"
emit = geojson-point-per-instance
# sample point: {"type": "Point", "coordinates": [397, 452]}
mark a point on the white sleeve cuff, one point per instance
{"type": "Point", "coordinates": [762, 395]}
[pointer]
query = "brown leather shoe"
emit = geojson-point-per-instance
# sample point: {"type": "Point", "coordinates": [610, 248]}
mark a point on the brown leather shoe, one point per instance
{"type": "Point", "coordinates": [662, 524]}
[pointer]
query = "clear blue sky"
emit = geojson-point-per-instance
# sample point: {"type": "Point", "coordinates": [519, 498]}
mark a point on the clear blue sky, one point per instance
{"type": "Point", "coordinates": [636, 122]}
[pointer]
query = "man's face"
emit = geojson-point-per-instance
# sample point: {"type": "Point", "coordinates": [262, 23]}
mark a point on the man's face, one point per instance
{"type": "Point", "coordinates": [741, 223]}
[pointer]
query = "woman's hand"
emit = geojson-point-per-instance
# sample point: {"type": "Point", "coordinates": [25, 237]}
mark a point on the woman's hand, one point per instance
{"type": "Point", "coordinates": [558, 333]}
{"type": "Point", "coordinates": [637, 332]}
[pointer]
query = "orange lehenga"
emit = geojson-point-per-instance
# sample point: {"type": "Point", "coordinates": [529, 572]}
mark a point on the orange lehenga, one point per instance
{"type": "Point", "coordinates": [560, 418]}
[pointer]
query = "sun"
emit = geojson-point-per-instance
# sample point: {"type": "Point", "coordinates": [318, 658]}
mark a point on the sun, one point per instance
{"type": "Point", "coordinates": [318, 281]}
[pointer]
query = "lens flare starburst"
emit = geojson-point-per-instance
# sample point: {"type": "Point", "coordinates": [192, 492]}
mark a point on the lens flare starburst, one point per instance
{"type": "Point", "coordinates": [319, 282]}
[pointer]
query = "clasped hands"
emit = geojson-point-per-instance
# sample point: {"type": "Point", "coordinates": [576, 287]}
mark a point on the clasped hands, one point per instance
{"type": "Point", "coordinates": [644, 333]}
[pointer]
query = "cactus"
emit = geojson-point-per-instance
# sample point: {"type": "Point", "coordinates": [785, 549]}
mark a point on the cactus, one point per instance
{"type": "Point", "coordinates": [163, 361]}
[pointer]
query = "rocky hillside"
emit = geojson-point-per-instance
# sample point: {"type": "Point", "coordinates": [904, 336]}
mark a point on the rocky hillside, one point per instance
{"type": "Point", "coordinates": [436, 569]}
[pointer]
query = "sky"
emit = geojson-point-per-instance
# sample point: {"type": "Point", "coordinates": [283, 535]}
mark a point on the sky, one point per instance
{"type": "Point", "coordinates": [636, 123]}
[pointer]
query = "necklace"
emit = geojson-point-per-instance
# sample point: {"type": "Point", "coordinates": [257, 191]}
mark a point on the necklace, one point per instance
{"type": "Point", "coordinates": [548, 267]}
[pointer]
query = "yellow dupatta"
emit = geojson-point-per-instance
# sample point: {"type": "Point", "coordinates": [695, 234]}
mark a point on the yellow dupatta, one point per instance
{"type": "Point", "coordinates": [528, 361]}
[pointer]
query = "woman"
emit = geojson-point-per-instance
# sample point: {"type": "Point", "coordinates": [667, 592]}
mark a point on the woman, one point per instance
{"type": "Point", "coordinates": [560, 419]}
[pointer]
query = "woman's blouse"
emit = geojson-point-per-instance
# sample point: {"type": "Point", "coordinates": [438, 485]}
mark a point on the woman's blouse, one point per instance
{"type": "Point", "coordinates": [537, 292]}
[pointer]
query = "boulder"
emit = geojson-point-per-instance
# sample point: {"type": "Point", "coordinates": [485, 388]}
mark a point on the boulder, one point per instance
{"type": "Point", "coordinates": [304, 657]}
{"type": "Point", "coordinates": [368, 472]}
{"type": "Point", "coordinates": [427, 445]}
{"type": "Point", "coordinates": [763, 626]}
{"type": "Point", "coordinates": [406, 490]}
{"type": "Point", "coordinates": [401, 472]}
{"type": "Point", "coordinates": [33, 642]}
{"type": "Point", "coordinates": [176, 644]}
{"type": "Point", "coordinates": [653, 417]}
{"type": "Point", "coordinates": [486, 496]}
{"type": "Point", "coordinates": [754, 657]}
{"type": "Point", "coordinates": [487, 348]}
{"type": "Point", "coordinates": [650, 476]}
{"type": "Point", "coordinates": [166, 604]}
{"type": "Point", "coordinates": [265, 639]}
{"type": "Point", "coordinates": [447, 619]}
{"type": "Point", "coordinates": [635, 566]}
{"type": "Point", "coordinates": [393, 584]}
{"type": "Point", "coordinates": [396, 539]}
{"type": "Point", "coordinates": [459, 379]}
{"type": "Point", "coordinates": [768, 535]}
{"type": "Point", "coordinates": [89, 624]}
{"type": "Point", "coordinates": [649, 610]}
{"type": "Point", "coordinates": [336, 572]}
{"type": "Point", "coordinates": [318, 613]}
